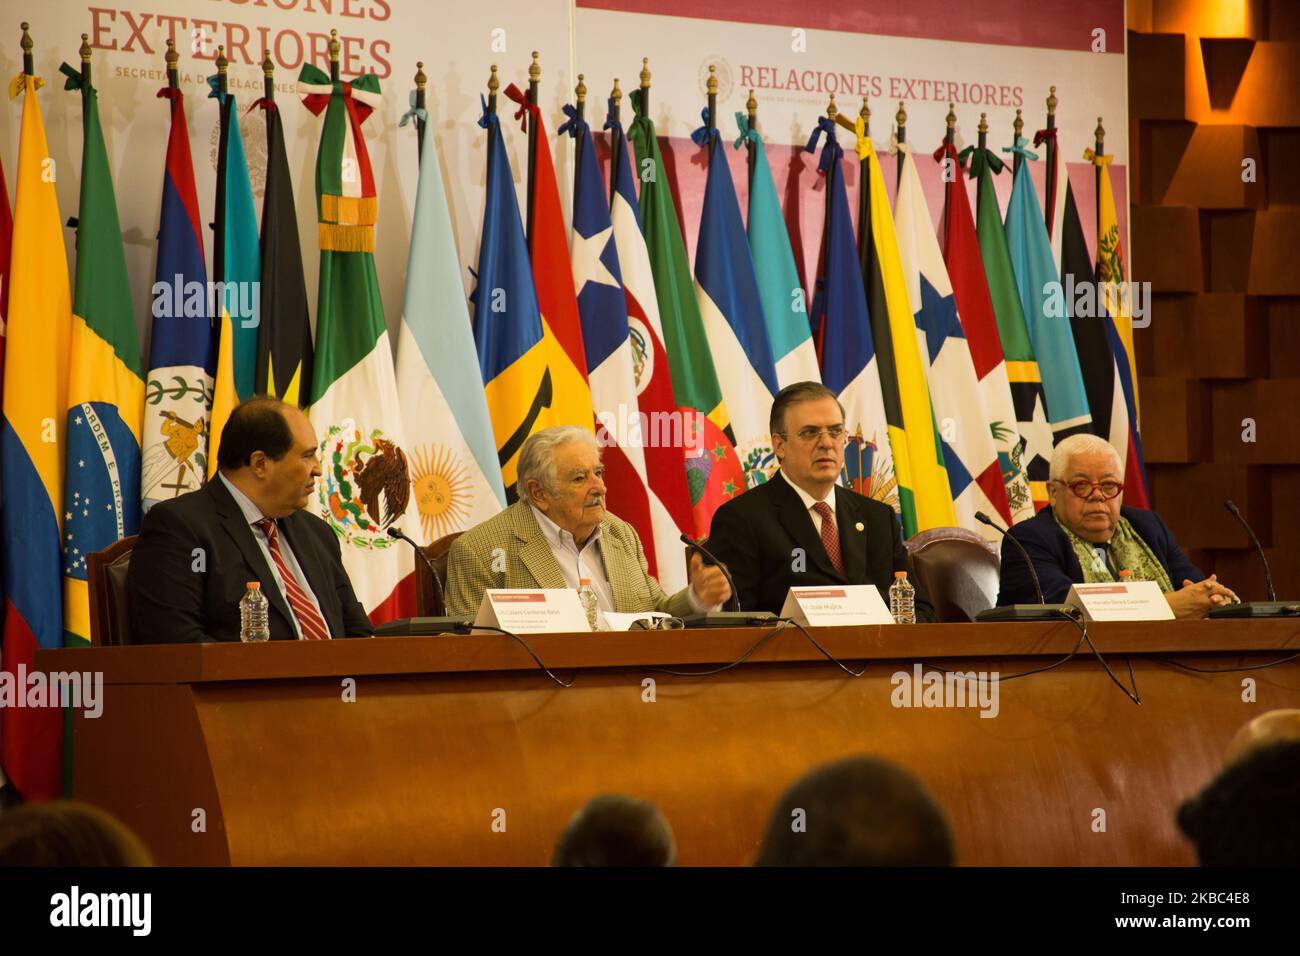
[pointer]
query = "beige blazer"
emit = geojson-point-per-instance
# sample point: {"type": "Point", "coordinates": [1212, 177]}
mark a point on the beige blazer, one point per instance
{"type": "Point", "coordinates": [528, 563]}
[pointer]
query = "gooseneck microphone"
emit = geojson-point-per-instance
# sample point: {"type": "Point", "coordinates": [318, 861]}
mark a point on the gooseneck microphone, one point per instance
{"type": "Point", "coordinates": [413, 626]}
{"type": "Point", "coordinates": [1270, 608]}
{"type": "Point", "coordinates": [736, 618]}
{"type": "Point", "coordinates": [1021, 612]}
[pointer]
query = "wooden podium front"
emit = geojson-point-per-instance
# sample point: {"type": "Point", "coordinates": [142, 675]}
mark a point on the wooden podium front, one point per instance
{"type": "Point", "coordinates": [457, 750]}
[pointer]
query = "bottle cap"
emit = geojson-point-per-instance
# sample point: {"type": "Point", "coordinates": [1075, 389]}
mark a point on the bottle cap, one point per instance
{"type": "Point", "coordinates": [582, 581]}
{"type": "Point", "coordinates": [900, 575]}
{"type": "Point", "coordinates": [1125, 574]}
{"type": "Point", "coordinates": [257, 585]}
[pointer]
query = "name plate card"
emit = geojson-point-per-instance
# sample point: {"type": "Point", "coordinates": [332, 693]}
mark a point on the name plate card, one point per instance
{"type": "Point", "coordinates": [541, 611]}
{"type": "Point", "coordinates": [824, 606]}
{"type": "Point", "coordinates": [1121, 601]}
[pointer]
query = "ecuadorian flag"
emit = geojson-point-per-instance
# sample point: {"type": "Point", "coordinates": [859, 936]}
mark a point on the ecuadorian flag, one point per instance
{"type": "Point", "coordinates": [521, 392]}
{"type": "Point", "coordinates": [101, 497]}
{"type": "Point", "coordinates": [32, 451]}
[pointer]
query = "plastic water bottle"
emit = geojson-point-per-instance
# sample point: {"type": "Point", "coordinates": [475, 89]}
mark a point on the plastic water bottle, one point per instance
{"type": "Point", "coordinates": [590, 604]}
{"type": "Point", "coordinates": [254, 625]}
{"type": "Point", "coordinates": [902, 599]}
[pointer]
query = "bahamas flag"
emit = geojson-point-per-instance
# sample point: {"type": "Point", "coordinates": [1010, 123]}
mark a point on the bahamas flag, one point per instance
{"type": "Point", "coordinates": [455, 477]}
{"type": "Point", "coordinates": [101, 495]}
{"type": "Point", "coordinates": [512, 349]}
{"type": "Point", "coordinates": [1042, 301]}
{"type": "Point", "coordinates": [732, 309]}
{"type": "Point", "coordinates": [183, 346]}
{"type": "Point", "coordinates": [845, 345]}
{"type": "Point", "coordinates": [237, 270]}
{"type": "Point", "coordinates": [33, 451]}
{"type": "Point", "coordinates": [784, 311]}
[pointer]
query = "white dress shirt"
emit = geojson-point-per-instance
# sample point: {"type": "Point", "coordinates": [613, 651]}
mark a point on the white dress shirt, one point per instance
{"type": "Point", "coordinates": [253, 514]}
{"type": "Point", "coordinates": [809, 502]}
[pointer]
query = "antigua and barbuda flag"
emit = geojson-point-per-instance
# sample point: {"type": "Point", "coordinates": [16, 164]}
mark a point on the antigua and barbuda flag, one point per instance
{"type": "Point", "coordinates": [101, 494]}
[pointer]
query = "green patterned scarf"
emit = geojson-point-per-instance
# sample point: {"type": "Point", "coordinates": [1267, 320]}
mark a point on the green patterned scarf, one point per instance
{"type": "Point", "coordinates": [1128, 552]}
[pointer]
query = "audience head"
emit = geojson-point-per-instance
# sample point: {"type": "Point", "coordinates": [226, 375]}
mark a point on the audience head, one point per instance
{"type": "Point", "coordinates": [1086, 486]}
{"type": "Point", "coordinates": [268, 450]}
{"type": "Point", "coordinates": [863, 811]}
{"type": "Point", "coordinates": [807, 425]}
{"type": "Point", "coordinates": [1249, 815]}
{"type": "Point", "coordinates": [614, 830]}
{"type": "Point", "coordinates": [67, 833]}
{"type": "Point", "coordinates": [560, 475]}
{"type": "Point", "coordinates": [1268, 728]}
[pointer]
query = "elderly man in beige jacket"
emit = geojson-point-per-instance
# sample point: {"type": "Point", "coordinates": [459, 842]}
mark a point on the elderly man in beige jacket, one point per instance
{"type": "Point", "coordinates": [559, 533]}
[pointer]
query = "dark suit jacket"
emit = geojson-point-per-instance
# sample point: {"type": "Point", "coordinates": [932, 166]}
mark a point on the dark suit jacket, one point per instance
{"type": "Point", "coordinates": [1058, 567]}
{"type": "Point", "coordinates": [172, 603]}
{"type": "Point", "coordinates": [756, 534]}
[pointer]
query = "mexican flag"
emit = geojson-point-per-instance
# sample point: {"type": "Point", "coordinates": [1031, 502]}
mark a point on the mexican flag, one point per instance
{"type": "Point", "coordinates": [366, 486]}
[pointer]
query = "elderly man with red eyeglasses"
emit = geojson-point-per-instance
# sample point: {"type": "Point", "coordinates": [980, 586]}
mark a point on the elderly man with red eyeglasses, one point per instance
{"type": "Point", "coordinates": [1087, 535]}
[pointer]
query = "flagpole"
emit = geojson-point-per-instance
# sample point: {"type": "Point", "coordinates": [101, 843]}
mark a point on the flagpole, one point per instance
{"type": "Point", "coordinates": [983, 145]}
{"type": "Point", "coordinates": [334, 56]}
{"type": "Point", "coordinates": [900, 118]}
{"type": "Point", "coordinates": [615, 139]}
{"type": "Point", "coordinates": [949, 134]}
{"type": "Point", "coordinates": [834, 169]}
{"type": "Point", "coordinates": [27, 46]}
{"type": "Point", "coordinates": [420, 82]}
{"type": "Point", "coordinates": [751, 146]}
{"type": "Point", "coordinates": [218, 207]}
{"type": "Point", "coordinates": [172, 58]}
{"type": "Point", "coordinates": [493, 85]}
{"type": "Point", "coordinates": [1099, 142]}
{"type": "Point", "coordinates": [580, 95]}
{"type": "Point", "coordinates": [85, 65]}
{"type": "Point", "coordinates": [864, 187]}
{"type": "Point", "coordinates": [711, 121]}
{"type": "Point", "coordinates": [1052, 184]}
{"type": "Point", "coordinates": [1018, 127]}
{"type": "Point", "coordinates": [534, 80]}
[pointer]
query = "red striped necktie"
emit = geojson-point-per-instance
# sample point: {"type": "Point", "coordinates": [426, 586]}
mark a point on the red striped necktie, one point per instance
{"type": "Point", "coordinates": [309, 619]}
{"type": "Point", "coordinates": [830, 535]}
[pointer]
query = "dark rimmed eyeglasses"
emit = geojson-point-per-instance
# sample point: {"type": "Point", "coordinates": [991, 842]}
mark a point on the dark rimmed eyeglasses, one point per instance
{"type": "Point", "coordinates": [811, 433]}
{"type": "Point", "coordinates": [1085, 489]}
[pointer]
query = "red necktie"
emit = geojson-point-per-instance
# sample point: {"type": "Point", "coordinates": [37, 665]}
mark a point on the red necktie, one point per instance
{"type": "Point", "coordinates": [830, 535]}
{"type": "Point", "coordinates": [309, 619]}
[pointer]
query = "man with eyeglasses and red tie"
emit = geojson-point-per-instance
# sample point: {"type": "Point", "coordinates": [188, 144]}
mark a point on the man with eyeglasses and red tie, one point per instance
{"type": "Point", "coordinates": [1087, 535]}
{"type": "Point", "coordinates": [801, 527]}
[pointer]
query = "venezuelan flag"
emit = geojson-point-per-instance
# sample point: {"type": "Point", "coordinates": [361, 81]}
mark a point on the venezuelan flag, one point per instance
{"type": "Point", "coordinates": [32, 450]}
{"type": "Point", "coordinates": [101, 497]}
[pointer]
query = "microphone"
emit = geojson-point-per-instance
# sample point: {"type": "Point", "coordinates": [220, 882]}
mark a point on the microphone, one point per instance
{"type": "Point", "coordinates": [420, 626]}
{"type": "Point", "coordinates": [1270, 608]}
{"type": "Point", "coordinates": [1022, 612]}
{"type": "Point", "coordinates": [736, 618]}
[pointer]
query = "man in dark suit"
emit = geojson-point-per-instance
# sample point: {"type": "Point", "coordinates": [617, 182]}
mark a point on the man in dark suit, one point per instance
{"type": "Point", "coordinates": [1088, 535]}
{"type": "Point", "coordinates": [801, 527]}
{"type": "Point", "coordinates": [196, 554]}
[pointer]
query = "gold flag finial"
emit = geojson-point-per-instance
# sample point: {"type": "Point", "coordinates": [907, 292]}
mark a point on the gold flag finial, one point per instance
{"type": "Point", "coordinates": [85, 48]}
{"type": "Point", "coordinates": [830, 107]}
{"type": "Point", "coordinates": [268, 65]}
{"type": "Point", "coordinates": [1099, 134]}
{"type": "Point", "coordinates": [1018, 124]}
{"type": "Point", "coordinates": [751, 104]}
{"type": "Point", "coordinates": [951, 118]}
{"type": "Point", "coordinates": [222, 62]}
{"type": "Point", "coordinates": [493, 83]}
{"type": "Point", "coordinates": [616, 94]}
{"type": "Point", "coordinates": [984, 123]}
{"type": "Point", "coordinates": [171, 57]}
{"type": "Point", "coordinates": [645, 72]}
{"type": "Point", "coordinates": [27, 43]}
{"type": "Point", "coordinates": [534, 70]}
{"type": "Point", "coordinates": [865, 112]}
{"type": "Point", "coordinates": [580, 91]}
{"type": "Point", "coordinates": [335, 46]}
{"type": "Point", "coordinates": [901, 116]}
{"type": "Point", "coordinates": [421, 81]}
{"type": "Point", "coordinates": [712, 85]}
{"type": "Point", "coordinates": [1051, 101]}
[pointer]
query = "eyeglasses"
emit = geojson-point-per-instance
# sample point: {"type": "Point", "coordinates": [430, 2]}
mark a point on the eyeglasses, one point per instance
{"type": "Point", "coordinates": [1084, 489]}
{"type": "Point", "coordinates": [811, 433]}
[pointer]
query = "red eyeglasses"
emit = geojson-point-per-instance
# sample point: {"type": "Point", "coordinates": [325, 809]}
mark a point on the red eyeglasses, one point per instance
{"type": "Point", "coordinates": [1084, 489]}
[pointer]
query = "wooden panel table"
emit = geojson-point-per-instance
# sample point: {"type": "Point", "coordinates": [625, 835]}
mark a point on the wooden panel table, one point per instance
{"type": "Point", "coordinates": [256, 754]}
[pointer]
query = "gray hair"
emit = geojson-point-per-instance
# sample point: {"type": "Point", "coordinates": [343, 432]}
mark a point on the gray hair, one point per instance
{"type": "Point", "coordinates": [1085, 443]}
{"type": "Point", "coordinates": [537, 457]}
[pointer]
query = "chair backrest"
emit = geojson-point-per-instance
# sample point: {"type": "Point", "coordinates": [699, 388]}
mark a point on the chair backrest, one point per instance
{"type": "Point", "coordinates": [110, 614]}
{"type": "Point", "coordinates": [426, 595]}
{"type": "Point", "coordinates": [959, 570]}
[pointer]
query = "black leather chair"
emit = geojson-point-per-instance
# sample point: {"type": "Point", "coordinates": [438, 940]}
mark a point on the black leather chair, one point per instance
{"type": "Point", "coordinates": [958, 569]}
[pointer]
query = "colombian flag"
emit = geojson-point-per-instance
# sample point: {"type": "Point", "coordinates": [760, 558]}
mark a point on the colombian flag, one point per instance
{"type": "Point", "coordinates": [101, 500]}
{"type": "Point", "coordinates": [32, 448]}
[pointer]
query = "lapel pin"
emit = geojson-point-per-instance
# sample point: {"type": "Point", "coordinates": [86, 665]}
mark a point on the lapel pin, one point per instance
{"type": "Point", "coordinates": [860, 526]}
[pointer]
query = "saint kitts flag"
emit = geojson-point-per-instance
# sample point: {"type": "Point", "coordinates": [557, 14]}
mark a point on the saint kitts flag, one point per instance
{"type": "Point", "coordinates": [846, 349]}
{"type": "Point", "coordinates": [726, 290]}
{"type": "Point", "coordinates": [237, 268]}
{"type": "Point", "coordinates": [970, 290]}
{"type": "Point", "coordinates": [101, 494]}
{"type": "Point", "coordinates": [455, 477]}
{"type": "Point", "coordinates": [605, 330]}
{"type": "Point", "coordinates": [33, 452]}
{"type": "Point", "coordinates": [784, 309]}
{"type": "Point", "coordinates": [714, 472]}
{"type": "Point", "coordinates": [969, 455]}
{"type": "Point", "coordinates": [654, 387]}
{"type": "Point", "coordinates": [366, 485]}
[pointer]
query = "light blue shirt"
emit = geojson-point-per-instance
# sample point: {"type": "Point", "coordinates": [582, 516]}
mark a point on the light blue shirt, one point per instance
{"type": "Point", "coordinates": [253, 514]}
